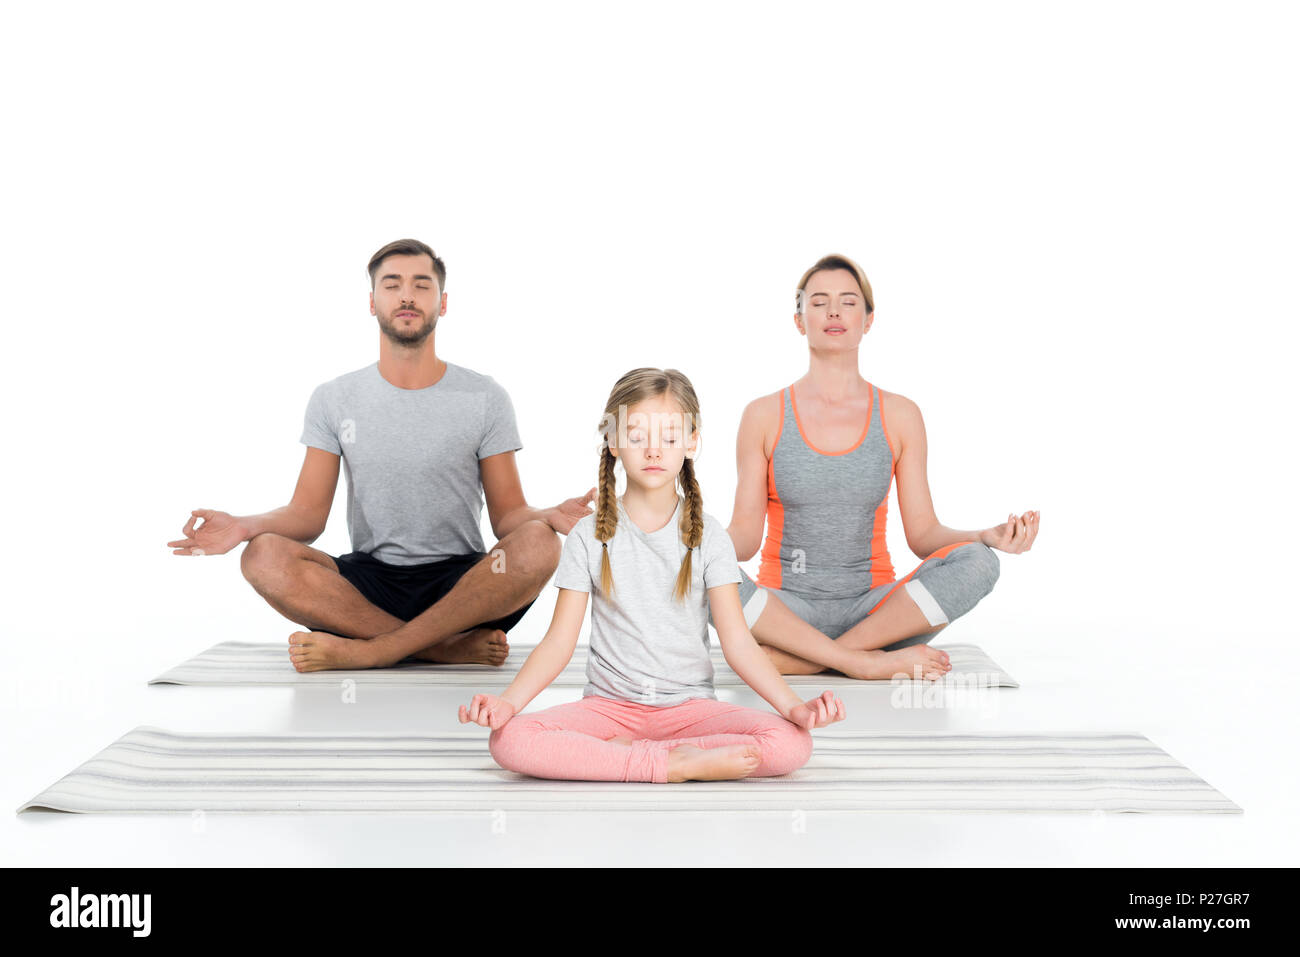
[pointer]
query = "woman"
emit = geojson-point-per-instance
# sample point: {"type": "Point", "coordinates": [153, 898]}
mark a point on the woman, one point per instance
{"type": "Point", "coordinates": [817, 461]}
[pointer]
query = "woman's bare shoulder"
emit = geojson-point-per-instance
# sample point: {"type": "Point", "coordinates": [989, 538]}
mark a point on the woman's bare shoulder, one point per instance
{"type": "Point", "coordinates": [902, 417]}
{"type": "Point", "coordinates": [897, 403]}
{"type": "Point", "coordinates": [761, 419]}
{"type": "Point", "coordinates": [766, 407]}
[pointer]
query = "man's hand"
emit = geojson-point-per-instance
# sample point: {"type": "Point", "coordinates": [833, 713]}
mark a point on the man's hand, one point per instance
{"type": "Point", "coordinates": [487, 710]}
{"type": "Point", "coordinates": [219, 533]}
{"type": "Point", "coordinates": [567, 514]}
{"type": "Point", "coordinates": [817, 712]}
{"type": "Point", "coordinates": [1014, 535]}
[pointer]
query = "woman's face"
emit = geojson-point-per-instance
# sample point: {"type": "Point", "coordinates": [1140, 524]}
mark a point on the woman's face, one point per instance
{"type": "Point", "coordinates": [835, 315]}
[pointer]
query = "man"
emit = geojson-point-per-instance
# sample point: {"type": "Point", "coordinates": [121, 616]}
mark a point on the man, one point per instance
{"type": "Point", "coordinates": [423, 441]}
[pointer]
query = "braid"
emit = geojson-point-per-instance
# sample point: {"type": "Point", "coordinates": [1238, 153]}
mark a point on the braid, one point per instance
{"type": "Point", "coordinates": [632, 388]}
{"type": "Point", "coordinates": [692, 526]}
{"type": "Point", "coordinates": [606, 517]}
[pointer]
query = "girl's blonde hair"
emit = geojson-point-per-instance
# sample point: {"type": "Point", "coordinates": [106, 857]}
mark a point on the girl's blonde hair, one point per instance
{"type": "Point", "coordinates": [834, 261]}
{"type": "Point", "coordinates": [633, 387]}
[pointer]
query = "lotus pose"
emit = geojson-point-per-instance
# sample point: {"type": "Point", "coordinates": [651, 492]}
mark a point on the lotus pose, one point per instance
{"type": "Point", "coordinates": [654, 564]}
{"type": "Point", "coordinates": [423, 442]}
{"type": "Point", "coordinates": [816, 462]}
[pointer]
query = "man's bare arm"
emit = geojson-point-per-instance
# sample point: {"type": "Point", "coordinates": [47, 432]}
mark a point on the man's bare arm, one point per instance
{"type": "Point", "coordinates": [507, 509]}
{"type": "Point", "coordinates": [303, 519]}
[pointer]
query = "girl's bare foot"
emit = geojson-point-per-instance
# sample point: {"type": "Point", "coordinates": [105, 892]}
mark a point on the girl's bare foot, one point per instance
{"type": "Point", "coordinates": [319, 651]}
{"type": "Point", "coordinates": [916, 661]}
{"type": "Point", "coordinates": [478, 646]}
{"type": "Point", "coordinates": [689, 763]}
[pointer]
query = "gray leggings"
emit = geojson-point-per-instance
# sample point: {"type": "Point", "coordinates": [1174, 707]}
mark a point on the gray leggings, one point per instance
{"type": "Point", "coordinates": [945, 586]}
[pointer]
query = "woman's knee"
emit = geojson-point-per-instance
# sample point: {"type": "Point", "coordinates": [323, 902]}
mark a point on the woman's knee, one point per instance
{"type": "Point", "coordinates": [976, 565]}
{"type": "Point", "coordinates": [989, 566]}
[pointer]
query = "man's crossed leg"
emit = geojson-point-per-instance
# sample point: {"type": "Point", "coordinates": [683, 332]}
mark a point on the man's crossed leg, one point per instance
{"type": "Point", "coordinates": [347, 630]}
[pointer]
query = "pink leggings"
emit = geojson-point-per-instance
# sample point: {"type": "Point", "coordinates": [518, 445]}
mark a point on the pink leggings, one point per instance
{"type": "Point", "coordinates": [571, 741]}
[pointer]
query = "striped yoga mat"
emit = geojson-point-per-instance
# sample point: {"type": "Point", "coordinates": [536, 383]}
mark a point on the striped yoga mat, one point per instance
{"type": "Point", "coordinates": [151, 770]}
{"type": "Point", "coordinates": [245, 663]}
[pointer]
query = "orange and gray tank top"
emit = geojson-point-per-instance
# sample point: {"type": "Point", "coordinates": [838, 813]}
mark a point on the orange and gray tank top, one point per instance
{"type": "Point", "coordinates": [826, 511]}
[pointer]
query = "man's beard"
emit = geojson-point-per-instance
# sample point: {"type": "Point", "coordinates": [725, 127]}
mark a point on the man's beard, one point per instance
{"type": "Point", "coordinates": [410, 339]}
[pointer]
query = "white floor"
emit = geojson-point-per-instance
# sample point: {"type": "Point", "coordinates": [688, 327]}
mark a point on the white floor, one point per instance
{"type": "Point", "coordinates": [1235, 731]}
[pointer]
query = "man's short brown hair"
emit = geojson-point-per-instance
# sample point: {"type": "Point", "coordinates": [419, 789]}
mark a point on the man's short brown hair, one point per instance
{"type": "Point", "coordinates": [408, 247]}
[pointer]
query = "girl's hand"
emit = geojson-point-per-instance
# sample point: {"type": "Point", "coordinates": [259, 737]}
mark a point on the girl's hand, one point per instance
{"type": "Point", "coordinates": [1014, 535]}
{"type": "Point", "coordinates": [817, 712]}
{"type": "Point", "coordinates": [487, 710]}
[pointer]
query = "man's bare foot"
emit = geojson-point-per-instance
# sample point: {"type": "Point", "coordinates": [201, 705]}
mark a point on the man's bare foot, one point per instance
{"type": "Point", "coordinates": [478, 646]}
{"type": "Point", "coordinates": [932, 663]}
{"type": "Point", "coordinates": [689, 763]}
{"type": "Point", "coordinates": [320, 651]}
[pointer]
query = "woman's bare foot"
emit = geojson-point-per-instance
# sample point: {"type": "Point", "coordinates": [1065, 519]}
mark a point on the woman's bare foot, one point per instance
{"type": "Point", "coordinates": [320, 651]}
{"type": "Point", "coordinates": [689, 763]}
{"type": "Point", "coordinates": [478, 646]}
{"type": "Point", "coordinates": [916, 661]}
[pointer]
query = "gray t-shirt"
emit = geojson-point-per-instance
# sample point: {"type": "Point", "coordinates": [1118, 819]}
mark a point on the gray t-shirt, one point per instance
{"type": "Point", "coordinates": [411, 458]}
{"type": "Point", "coordinates": [645, 645]}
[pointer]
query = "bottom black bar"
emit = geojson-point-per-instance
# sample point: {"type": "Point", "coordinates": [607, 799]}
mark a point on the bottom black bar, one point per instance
{"type": "Point", "coordinates": [336, 906]}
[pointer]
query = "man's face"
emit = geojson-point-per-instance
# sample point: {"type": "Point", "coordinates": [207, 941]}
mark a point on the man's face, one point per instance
{"type": "Point", "coordinates": [406, 299]}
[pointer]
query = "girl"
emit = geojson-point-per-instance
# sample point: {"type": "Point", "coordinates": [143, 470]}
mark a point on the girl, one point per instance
{"type": "Point", "coordinates": [656, 564]}
{"type": "Point", "coordinates": [817, 461]}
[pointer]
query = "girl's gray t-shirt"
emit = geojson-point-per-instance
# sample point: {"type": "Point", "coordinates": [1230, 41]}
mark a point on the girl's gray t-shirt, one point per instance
{"type": "Point", "coordinates": [411, 457]}
{"type": "Point", "coordinates": [645, 645]}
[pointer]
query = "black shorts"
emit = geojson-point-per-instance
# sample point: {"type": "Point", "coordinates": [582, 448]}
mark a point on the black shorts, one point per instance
{"type": "Point", "coordinates": [405, 591]}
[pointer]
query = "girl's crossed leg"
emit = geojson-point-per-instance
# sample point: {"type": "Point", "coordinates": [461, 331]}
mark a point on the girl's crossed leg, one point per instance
{"type": "Point", "coordinates": [601, 739]}
{"type": "Point", "coordinates": [705, 723]}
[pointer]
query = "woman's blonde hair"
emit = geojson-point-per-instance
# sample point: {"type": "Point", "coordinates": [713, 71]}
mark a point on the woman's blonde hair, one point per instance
{"type": "Point", "coordinates": [633, 387]}
{"type": "Point", "coordinates": [834, 261]}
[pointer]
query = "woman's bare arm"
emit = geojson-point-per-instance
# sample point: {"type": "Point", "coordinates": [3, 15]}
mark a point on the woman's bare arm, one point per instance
{"type": "Point", "coordinates": [750, 510]}
{"type": "Point", "coordinates": [925, 533]}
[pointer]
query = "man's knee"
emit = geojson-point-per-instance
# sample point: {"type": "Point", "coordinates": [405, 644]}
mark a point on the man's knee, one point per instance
{"type": "Point", "coordinates": [264, 558]}
{"type": "Point", "coordinates": [534, 550]}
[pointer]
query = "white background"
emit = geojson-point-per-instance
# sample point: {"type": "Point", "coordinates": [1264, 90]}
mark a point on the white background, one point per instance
{"type": "Point", "coordinates": [1079, 221]}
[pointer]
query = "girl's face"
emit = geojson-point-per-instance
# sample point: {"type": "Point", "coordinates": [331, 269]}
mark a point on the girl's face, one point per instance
{"type": "Point", "coordinates": [657, 439]}
{"type": "Point", "coordinates": [835, 313]}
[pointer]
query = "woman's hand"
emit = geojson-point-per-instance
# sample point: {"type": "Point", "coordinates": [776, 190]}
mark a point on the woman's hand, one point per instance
{"type": "Point", "coordinates": [487, 710]}
{"type": "Point", "coordinates": [1014, 535]}
{"type": "Point", "coordinates": [817, 712]}
{"type": "Point", "coordinates": [219, 533]}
